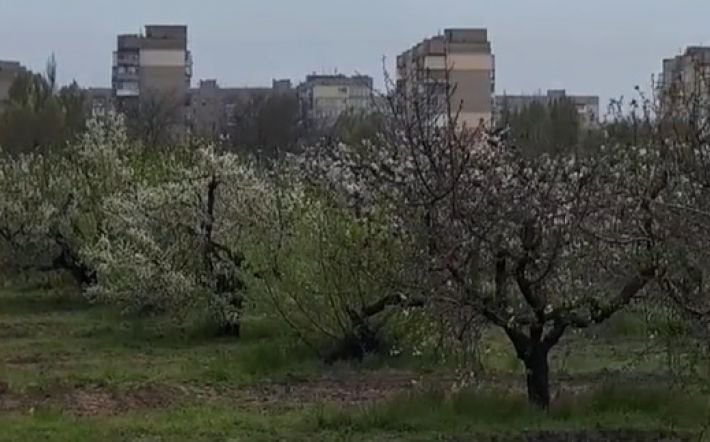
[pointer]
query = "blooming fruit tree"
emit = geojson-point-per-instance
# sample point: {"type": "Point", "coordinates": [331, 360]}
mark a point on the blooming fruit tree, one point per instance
{"type": "Point", "coordinates": [177, 245]}
{"type": "Point", "coordinates": [535, 246]}
{"type": "Point", "coordinates": [51, 202]}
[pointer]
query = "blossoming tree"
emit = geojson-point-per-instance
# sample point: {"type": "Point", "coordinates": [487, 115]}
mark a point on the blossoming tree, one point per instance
{"type": "Point", "coordinates": [535, 246]}
{"type": "Point", "coordinates": [51, 203]}
{"type": "Point", "coordinates": [177, 245]}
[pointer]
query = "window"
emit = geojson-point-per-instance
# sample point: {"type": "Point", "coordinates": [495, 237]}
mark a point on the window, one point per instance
{"type": "Point", "coordinates": [127, 88]}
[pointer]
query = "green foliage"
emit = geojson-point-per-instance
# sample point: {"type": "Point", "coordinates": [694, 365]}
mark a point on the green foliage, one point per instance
{"type": "Point", "coordinates": [156, 121]}
{"type": "Point", "coordinates": [40, 117]}
{"type": "Point", "coordinates": [330, 270]}
{"type": "Point", "coordinates": [266, 125]}
{"type": "Point", "coordinates": [211, 239]}
{"type": "Point", "coordinates": [355, 127]}
{"type": "Point", "coordinates": [545, 128]}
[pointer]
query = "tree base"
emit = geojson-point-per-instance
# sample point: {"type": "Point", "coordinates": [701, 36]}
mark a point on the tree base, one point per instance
{"type": "Point", "coordinates": [230, 330]}
{"type": "Point", "coordinates": [354, 348]}
{"type": "Point", "coordinates": [538, 381]}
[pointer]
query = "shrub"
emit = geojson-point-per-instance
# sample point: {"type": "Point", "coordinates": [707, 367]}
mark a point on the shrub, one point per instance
{"type": "Point", "coordinates": [337, 278]}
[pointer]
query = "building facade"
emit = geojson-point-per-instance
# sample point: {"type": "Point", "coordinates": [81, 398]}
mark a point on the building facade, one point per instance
{"type": "Point", "coordinates": [213, 109]}
{"type": "Point", "coordinates": [587, 105]}
{"type": "Point", "coordinates": [458, 67]}
{"type": "Point", "coordinates": [684, 78]}
{"type": "Point", "coordinates": [99, 100]}
{"type": "Point", "coordinates": [155, 65]}
{"type": "Point", "coordinates": [324, 98]}
{"type": "Point", "coordinates": [9, 71]}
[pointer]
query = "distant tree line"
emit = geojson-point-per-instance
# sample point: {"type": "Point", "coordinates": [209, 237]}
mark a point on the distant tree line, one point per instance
{"type": "Point", "coordinates": [40, 114]}
{"type": "Point", "coordinates": [552, 128]}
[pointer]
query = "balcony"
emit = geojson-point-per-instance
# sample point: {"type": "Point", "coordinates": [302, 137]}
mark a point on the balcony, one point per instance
{"type": "Point", "coordinates": [188, 65]}
{"type": "Point", "coordinates": [125, 59]}
{"type": "Point", "coordinates": [124, 93]}
{"type": "Point", "coordinates": [126, 89]}
{"type": "Point", "coordinates": [125, 73]}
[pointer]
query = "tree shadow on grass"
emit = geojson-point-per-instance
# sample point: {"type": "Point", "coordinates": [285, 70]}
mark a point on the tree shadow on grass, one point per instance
{"type": "Point", "coordinates": [33, 302]}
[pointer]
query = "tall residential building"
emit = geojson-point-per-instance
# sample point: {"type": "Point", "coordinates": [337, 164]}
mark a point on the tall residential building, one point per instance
{"type": "Point", "coordinates": [684, 77]}
{"type": "Point", "coordinates": [324, 98]}
{"type": "Point", "coordinates": [152, 66]}
{"type": "Point", "coordinates": [459, 63]}
{"type": "Point", "coordinates": [9, 70]}
{"type": "Point", "coordinates": [587, 105]}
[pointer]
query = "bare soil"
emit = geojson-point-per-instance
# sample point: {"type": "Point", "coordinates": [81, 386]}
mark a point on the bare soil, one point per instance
{"type": "Point", "coordinates": [346, 389]}
{"type": "Point", "coordinates": [352, 389]}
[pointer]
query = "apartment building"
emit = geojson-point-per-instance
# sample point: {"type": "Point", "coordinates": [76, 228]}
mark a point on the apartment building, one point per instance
{"type": "Point", "coordinates": [99, 99]}
{"type": "Point", "coordinates": [213, 109]}
{"type": "Point", "coordinates": [155, 65]}
{"type": "Point", "coordinates": [324, 98]}
{"type": "Point", "coordinates": [459, 64]}
{"type": "Point", "coordinates": [587, 105]}
{"type": "Point", "coordinates": [685, 77]}
{"type": "Point", "coordinates": [9, 70]}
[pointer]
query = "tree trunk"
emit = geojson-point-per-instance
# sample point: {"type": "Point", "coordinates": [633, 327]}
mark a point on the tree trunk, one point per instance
{"type": "Point", "coordinates": [82, 274]}
{"type": "Point", "coordinates": [233, 330]}
{"type": "Point", "coordinates": [538, 378]}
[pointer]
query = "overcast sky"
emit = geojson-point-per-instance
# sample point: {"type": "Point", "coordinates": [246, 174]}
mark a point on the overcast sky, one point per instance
{"type": "Point", "coordinates": [600, 47]}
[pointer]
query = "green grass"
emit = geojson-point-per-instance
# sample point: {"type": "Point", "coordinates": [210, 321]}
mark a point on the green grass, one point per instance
{"type": "Point", "coordinates": [495, 411]}
{"type": "Point", "coordinates": [56, 338]}
{"type": "Point", "coordinates": [54, 343]}
{"type": "Point", "coordinates": [50, 339]}
{"type": "Point", "coordinates": [420, 416]}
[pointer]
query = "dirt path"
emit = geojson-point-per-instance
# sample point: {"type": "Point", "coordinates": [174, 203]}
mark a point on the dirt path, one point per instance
{"type": "Point", "coordinates": [348, 389]}
{"type": "Point", "coordinates": [352, 389]}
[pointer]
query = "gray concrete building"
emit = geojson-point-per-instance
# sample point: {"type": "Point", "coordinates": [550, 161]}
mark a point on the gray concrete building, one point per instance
{"type": "Point", "coordinates": [461, 59]}
{"type": "Point", "coordinates": [156, 65]}
{"type": "Point", "coordinates": [324, 98]}
{"type": "Point", "coordinates": [99, 99]}
{"type": "Point", "coordinates": [213, 109]}
{"type": "Point", "coordinates": [587, 105]}
{"type": "Point", "coordinates": [685, 77]}
{"type": "Point", "coordinates": [9, 70]}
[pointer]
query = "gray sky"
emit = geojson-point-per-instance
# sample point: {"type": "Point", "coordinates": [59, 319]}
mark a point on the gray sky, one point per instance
{"type": "Point", "coordinates": [600, 47]}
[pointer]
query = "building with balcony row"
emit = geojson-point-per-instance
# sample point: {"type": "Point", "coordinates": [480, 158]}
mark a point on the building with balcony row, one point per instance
{"type": "Point", "coordinates": [684, 83]}
{"type": "Point", "coordinates": [454, 72]}
{"type": "Point", "coordinates": [156, 65]}
{"type": "Point", "coordinates": [324, 98]}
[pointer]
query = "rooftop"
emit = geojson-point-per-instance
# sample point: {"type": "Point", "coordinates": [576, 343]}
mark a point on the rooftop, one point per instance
{"type": "Point", "coordinates": [452, 40]}
{"type": "Point", "coordinates": [339, 79]}
{"type": "Point", "coordinates": [695, 51]}
{"type": "Point", "coordinates": [8, 65]}
{"type": "Point", "coordinates": [551, 94]}
{"type": "Point", "coordinates": [466, 35]}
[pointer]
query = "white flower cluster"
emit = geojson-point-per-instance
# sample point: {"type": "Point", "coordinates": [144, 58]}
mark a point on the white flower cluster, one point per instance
{"type": "Point", "coordinates": [51, 203]}
{"type": "Point", "coordinates": [570, 228]}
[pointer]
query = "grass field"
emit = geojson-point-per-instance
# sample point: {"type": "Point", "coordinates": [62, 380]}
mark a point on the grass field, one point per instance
{"type": "Point", "coordinates": [82, 373]}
